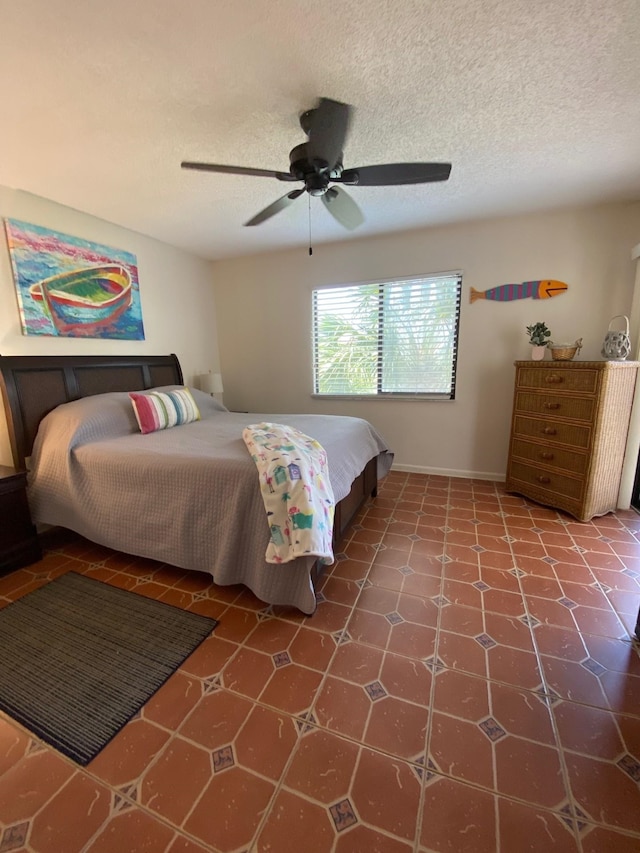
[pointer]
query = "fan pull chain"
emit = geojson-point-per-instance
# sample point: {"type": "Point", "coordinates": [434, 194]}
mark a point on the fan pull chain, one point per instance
{"type": "Point", "coordinates": [309, 202]}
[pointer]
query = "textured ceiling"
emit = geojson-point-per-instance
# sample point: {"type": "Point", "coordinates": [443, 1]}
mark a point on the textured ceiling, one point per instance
{"type": "Point", "coordinates": [536, 105]}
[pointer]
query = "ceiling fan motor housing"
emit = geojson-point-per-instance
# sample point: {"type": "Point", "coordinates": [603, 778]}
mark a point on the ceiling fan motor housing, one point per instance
{"type": "Point", "coordinates": [316, 182]}
{"type": "Point", "coordinates": [299, 164]}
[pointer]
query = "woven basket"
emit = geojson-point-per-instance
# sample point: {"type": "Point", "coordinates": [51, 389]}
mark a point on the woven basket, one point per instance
{"type": "Point", "coordinates": [565, 352]}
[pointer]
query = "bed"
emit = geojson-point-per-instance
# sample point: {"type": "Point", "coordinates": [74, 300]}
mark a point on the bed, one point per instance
{"type": "Point", "coordinates": [187, 496]}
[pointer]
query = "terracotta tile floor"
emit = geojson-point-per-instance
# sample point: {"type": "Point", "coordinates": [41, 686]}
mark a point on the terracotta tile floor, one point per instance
{"type": "Point", "coordinates": [469, 682]}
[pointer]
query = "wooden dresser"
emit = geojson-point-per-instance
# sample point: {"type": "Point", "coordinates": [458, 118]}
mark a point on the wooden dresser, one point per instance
{"type": "Point", "coordinates": [568, 433]}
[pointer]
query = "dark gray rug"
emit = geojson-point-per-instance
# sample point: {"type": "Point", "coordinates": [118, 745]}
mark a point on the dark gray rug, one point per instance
{"type": "Point", "coordinates": [79, 658]}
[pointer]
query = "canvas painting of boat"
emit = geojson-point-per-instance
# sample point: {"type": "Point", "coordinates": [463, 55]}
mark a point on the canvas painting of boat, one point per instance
{"type": "Point", "coordinates": [72, 287]}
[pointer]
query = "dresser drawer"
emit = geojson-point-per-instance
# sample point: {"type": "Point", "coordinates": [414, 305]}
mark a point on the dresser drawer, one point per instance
{"type": "Point", "coordinates": [557, 457]}
{"type": "Point", "coordinates": [553, 432]}
{"type": "Point", "coordinates": [550, 481]}
{"type": "Point", "coordinates": [556, 405]}
{"type": "Point", "coordinates": [565, 379]}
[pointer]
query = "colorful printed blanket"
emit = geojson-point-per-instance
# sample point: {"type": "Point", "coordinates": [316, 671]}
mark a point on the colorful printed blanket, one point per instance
{"type": "Point", "coordinates": [297, 493]}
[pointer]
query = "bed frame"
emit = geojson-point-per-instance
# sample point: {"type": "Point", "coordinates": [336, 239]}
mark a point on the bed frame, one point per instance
{"type": "Point", "coordinates": [33, 385]}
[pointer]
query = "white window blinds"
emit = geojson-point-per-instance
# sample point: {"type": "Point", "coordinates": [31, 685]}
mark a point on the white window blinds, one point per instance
{"type": "Point", "coordinates": [393, 338]}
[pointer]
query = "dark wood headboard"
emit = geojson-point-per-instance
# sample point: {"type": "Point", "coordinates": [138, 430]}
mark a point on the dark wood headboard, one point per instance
{"type": "Point", "coordinates": [33, 385]}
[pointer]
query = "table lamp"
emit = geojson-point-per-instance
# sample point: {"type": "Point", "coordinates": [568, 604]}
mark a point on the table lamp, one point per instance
{"type": "Point", "coordinates": [211, 383]}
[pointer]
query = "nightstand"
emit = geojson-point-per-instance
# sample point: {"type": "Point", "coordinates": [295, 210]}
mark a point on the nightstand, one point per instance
{"type": "Point", "coordinates": [19, 544]}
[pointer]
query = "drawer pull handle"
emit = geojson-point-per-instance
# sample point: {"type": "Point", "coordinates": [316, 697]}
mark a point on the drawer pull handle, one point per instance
{"type": "Point", "coordinates": [552, 405]}
{"type": "Point", "coordinates": [554, 379]}
{"type": "Point", "coordinates": [549, 431]}
{"type": "Point", "coordinates": [544, 455]}
{"type": "Point", "coordinates": [543, 479]}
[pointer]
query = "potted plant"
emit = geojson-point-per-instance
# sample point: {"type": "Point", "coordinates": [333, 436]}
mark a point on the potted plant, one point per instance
{"type": "Point", "coordinates": [538, 338]}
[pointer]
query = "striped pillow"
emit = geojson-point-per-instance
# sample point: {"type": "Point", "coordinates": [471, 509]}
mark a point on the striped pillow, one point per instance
{"type": "Point", "coordinates": [161, 410]}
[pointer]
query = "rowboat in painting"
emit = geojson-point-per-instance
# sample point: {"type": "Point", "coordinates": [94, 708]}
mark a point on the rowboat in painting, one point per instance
{"type": "Point", "coordinates": [85, 298]}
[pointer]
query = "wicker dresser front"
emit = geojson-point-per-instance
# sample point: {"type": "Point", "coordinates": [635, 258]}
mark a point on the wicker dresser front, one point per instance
{"type": "Point", "coordinates": [568, 433]}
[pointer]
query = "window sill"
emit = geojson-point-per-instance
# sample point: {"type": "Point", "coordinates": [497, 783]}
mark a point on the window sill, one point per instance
{"type": "Point", "coordinates": [404, 398]}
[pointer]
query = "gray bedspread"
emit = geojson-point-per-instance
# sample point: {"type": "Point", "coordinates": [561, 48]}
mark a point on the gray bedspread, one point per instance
{"type": "Point", "coordinates": [187, 496]}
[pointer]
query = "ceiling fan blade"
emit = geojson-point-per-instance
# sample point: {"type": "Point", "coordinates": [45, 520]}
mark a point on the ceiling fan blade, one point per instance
{"type": "Point", "coordinates": [238, 170]}
{"type": "Point", "coordinates": [328, 127]}
{"type": "Point", "coordinates": [390, 174]}
{"type": "Point", "coordinates": [276, 207]}
{"type": "Point", "coordinates": [341, 206]}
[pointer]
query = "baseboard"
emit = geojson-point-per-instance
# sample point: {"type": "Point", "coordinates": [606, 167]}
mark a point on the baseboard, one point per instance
{"type": "Point", "coordinates": [450, 472]}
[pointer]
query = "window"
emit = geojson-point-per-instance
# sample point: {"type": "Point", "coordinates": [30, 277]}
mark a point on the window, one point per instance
{"type": "Point", "coordinates": [387, 339]}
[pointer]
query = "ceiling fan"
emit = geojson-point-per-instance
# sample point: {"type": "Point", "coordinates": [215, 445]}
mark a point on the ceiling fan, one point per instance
{"type": "Point", "coordinates": [318, 163]}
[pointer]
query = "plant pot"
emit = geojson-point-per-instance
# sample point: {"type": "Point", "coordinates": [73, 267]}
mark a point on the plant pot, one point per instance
{"type": "Point", "coordinates": [537, 352]}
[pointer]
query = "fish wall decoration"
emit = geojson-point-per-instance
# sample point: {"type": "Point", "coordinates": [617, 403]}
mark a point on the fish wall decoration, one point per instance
{"type": "Point", "coordinates": [545, 289]}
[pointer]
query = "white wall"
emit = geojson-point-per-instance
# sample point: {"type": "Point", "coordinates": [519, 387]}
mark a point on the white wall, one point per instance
{"type": "Point", "coordinates": [264, 322]}
{"type": "Point", "coordinates": [178, 308]}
